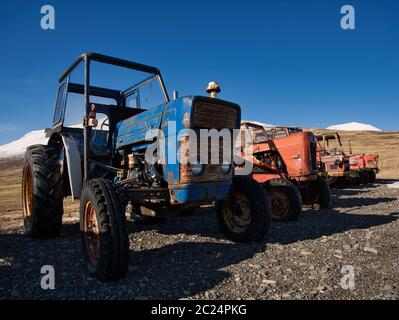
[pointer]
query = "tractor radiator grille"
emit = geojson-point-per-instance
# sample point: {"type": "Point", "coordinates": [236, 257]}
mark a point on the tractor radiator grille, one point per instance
{"type": "Point", "coordinates": [212, 172]}
{"type": "Point", "coordinates": [214, 116]}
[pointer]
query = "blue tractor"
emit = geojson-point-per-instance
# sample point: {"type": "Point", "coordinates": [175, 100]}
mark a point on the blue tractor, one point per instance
{"type": "Point", "coordinates": [108, 161]}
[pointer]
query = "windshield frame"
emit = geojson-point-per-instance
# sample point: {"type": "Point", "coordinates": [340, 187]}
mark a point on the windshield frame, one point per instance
{"type": "Point", "coordinates": [135, 89]}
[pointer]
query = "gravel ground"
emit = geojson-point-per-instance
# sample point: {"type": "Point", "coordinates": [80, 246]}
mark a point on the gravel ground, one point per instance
{"type": "Point", "coordinates": [187, 258]}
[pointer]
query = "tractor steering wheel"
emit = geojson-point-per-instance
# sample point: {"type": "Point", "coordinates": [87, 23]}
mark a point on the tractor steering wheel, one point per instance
{"type": "Point", "coordinates": [105, 123]}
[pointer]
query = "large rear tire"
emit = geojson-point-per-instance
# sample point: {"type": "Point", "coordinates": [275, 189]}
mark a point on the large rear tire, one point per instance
{"type": "Point", "coordinates": [286, 202]}
{"type": "Point", "coordinates": [245, 215]}
{"type": "Point", "coordinates": [103, 231]}
{"type": "Point", "coordinates": [42, 192]}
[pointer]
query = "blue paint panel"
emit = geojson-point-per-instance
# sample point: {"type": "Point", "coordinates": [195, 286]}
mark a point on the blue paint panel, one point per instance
{"type": "Point", "coordinates": [174, 112]}
{"type": "Point", "coordinates": [134, 129]}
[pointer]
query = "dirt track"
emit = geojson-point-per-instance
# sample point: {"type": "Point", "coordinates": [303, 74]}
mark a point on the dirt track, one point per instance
{"type": "Point", "coordinates": [188, 258]}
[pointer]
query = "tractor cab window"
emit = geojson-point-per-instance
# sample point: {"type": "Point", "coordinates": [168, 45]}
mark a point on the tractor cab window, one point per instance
{"type": "Point", "coordinates": [59, 104]}
{"type": "Point", "coordinates": [294, 130]}
{"type": "Point", "coordinates": [145, 94]}
{"type": "Point", "coordinates": [75, 109]}
{"type": "Point", "coordinates": [280, 134]}
{"type": "Point", "coordinates": [269, 135]}
{"type": "Point", "coordinates": [261, 136]}
{"type": "Point", "coordinates": [133, 100]}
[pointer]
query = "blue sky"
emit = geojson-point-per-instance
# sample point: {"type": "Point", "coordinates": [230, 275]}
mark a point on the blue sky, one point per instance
{"type": "Point", "coordinates": [284, 62]}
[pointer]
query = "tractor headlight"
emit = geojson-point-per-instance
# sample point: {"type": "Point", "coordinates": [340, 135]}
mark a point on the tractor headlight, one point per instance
{"type": "Point", "coordinates": [197, 169]}
{"type": "Point", "coordinates": [225, 168]}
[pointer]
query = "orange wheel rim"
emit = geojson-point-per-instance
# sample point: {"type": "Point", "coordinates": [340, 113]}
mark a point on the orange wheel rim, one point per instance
{"type": "Point", "coordinates": [27, 192]}
{"type": "Point", "coordinates": [91, 233]}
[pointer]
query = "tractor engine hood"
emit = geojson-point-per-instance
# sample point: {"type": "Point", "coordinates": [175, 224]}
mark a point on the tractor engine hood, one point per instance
{"type": "Point", "coordinates": [195, 112]}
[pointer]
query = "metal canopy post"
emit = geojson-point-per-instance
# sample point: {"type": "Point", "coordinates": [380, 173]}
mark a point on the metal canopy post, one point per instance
{"type": "Point", "coordinates": [86, 129]}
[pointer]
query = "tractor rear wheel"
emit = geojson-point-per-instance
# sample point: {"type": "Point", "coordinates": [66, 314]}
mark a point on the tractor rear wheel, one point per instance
{"type": "Point", "coordinates": [286, 202]}
{"type": "Point", "coordinates": [103, 231]}
{"type": "Point", "coordinates": [42, 192]}
{"type": "Point", "coordinates": [245, 215]}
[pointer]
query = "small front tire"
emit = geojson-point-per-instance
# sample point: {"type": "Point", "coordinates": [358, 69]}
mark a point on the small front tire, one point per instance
{"type": "Point", "coordinates": [373, 176]}
{"type": "Point", "coordinates": [323, 192]}
{"type": "Point", "coordinates": [103, 231]}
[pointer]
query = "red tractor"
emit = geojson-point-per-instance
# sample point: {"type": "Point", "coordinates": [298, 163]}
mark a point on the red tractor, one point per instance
{"type": "Point", "coordinates": [366, 165]}
{"type": "Point", "coordinates": [363, 167]}
{"type": "Point", "coordinates": [284, 162]}
{"type": "Point", "coordinates": [334, 164]}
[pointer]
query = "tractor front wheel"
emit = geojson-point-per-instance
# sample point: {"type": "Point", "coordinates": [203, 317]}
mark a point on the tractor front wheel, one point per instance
{"type": "Point", "coordinates": [103, 231]}
{"type": "Point", "coordinates": [245, 215]}
{"type": "Point", "coordinates": [317, 192]}
{"type": "Point", "coordinates": [373, 176]}
{"type": "Point", "coordinates": [322, 191]}
{"type": "Point", "coordinates": [364, 177]}
{"type": "Point", "coordinates": [354, 178]}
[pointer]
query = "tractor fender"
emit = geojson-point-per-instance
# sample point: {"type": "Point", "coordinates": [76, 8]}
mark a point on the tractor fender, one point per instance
{"type": "Point", "coordinates": [74, 166]}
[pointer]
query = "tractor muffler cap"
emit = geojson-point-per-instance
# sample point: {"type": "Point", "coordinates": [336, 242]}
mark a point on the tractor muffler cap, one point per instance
{"type": "Point", "coordinates": [213, 89]}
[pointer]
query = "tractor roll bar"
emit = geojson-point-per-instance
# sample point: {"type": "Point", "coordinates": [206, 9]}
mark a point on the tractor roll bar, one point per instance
{"type": "Point", "coordinates": [86, 58]}
{"type": "Point", "coordinates": [109, 60]}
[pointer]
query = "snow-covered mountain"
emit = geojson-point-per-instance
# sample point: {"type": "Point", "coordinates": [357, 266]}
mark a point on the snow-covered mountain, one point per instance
{"type": "Point", "coordinates": [394, 185]}
{"type": "Point", "coordinates": [354, 126]}
{"type": "Point", "coordinates": [18, 147]}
